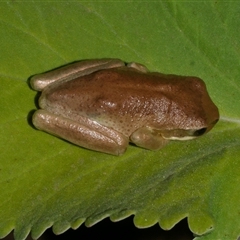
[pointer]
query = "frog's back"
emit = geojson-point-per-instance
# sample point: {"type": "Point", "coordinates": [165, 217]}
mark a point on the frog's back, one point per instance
{"type": "Point", "coordinates": [122, 98]}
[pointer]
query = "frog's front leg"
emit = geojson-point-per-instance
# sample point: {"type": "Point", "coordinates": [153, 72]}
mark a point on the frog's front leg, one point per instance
{"type": "Point", "coordinates": [147, 138]}
{"type": "Point", "coordinates": [85, 133]}
{"type": "Point", "coordinates": [71, 71]}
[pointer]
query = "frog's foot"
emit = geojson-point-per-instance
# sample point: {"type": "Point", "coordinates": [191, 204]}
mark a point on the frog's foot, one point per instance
{"type": "Point", "coordinates": [88, 134]}
{"type": "Point", "coordinates": [73, 70]}
{"type": "Point", "coordinates": [138, 66]}
{"type": "Point", "coordinates": [147, 138]}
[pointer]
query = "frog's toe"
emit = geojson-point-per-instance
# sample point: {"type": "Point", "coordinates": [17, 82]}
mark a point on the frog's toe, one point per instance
{"type": "Point", "coordinates": [138, 66]}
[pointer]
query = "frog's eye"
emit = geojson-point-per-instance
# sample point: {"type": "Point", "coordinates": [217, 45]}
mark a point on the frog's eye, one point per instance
{"type": "Point", "coordinates": [199, 132]}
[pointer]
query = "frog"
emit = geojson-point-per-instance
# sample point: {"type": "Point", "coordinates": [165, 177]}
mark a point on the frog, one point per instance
{"type": "Point", "coordinates": [106, 104]}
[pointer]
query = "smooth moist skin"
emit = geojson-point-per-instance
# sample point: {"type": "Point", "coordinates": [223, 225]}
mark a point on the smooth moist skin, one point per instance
{"type": "Point", "coordinates": [104, 104]}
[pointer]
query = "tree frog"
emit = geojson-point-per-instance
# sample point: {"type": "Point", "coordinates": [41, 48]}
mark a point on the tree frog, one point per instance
{"type": "Point", "coordinates": [104, 104]}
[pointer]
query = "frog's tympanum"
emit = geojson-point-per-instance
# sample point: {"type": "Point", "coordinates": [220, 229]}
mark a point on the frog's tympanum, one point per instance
{"type": "Point", "coordinates": [105, 104]}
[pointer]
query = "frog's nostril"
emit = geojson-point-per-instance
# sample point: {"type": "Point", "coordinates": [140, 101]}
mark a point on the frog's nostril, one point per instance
{"type": "Point", "coordinates": [199, 132]}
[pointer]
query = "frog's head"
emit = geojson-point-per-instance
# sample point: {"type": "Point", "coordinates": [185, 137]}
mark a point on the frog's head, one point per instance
{"type": "Point", "coordinates": [193, 113]}
{"type": "Point", "coordinates": [186, 134]}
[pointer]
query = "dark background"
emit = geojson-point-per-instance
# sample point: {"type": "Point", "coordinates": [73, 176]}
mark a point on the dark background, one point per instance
{"type": "Point", "coordinates": [124, 229]}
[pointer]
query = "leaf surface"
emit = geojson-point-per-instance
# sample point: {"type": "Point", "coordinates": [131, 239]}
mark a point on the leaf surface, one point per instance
{"type": "Point", "coordinates": [48, 182]}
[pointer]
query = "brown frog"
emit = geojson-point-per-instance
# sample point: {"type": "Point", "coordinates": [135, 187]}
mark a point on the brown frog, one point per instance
{"type": "Point", "coordinates": [105, 104]}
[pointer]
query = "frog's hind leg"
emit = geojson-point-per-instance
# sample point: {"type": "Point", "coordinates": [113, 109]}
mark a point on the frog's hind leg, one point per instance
{"type": "Point", "coordinates": [72, 71]}
{"type": "Point", "coordinates": [85, 133]}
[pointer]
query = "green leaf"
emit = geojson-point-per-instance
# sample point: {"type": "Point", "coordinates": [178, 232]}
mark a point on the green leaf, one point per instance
{"type": "Point", "coordinates": [48, 182]}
